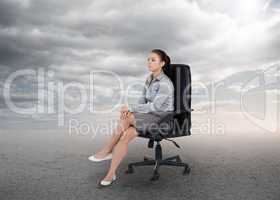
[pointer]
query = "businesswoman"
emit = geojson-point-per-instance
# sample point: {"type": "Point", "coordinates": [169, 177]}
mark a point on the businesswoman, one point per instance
{"type": "Point", "coordinates": [157, 98]}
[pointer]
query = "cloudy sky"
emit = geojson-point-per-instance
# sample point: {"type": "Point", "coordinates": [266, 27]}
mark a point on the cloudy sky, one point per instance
{"type": "Point", "coordinates": [70, 38]}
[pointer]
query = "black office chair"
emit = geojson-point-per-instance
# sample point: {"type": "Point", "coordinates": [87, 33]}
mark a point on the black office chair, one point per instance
{"type": "Point", "coordinates": [178, 122]}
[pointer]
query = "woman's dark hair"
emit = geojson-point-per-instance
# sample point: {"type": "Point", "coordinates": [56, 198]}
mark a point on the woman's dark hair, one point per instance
{"type": "Point", "coordinates": [163, 56]}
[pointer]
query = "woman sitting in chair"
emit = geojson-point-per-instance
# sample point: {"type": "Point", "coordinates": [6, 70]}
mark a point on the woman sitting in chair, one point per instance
{"type": "Point", "coordinates": [157, 98]}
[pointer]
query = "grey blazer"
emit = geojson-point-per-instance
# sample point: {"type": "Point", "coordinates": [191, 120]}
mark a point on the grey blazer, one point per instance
{"type": "Point", "coordinates": [157, 95]}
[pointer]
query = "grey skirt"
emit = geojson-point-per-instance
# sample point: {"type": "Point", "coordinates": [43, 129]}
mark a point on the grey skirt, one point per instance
{"type": "Point", "coordinates": [147, 123]}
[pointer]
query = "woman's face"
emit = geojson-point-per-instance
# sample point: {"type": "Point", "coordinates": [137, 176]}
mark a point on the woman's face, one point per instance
{"type": "Point", "coordinates": [154, 62]}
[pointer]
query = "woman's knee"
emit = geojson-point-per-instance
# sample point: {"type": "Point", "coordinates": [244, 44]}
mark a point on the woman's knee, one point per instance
{"type": "Point", "coordinates": [123, 124]}
{"type": "Point", "coordinates": [128, 135]}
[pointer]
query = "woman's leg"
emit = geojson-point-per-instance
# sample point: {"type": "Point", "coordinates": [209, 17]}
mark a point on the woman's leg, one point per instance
{"type": "Point", "coordinates": [120, 151]}
{"type": "Point", "coordinates": [117, 133]}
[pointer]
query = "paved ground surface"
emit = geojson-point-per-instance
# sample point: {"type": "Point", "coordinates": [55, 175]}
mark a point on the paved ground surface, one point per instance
{"type": "Point", "coordinates": [53, 165]}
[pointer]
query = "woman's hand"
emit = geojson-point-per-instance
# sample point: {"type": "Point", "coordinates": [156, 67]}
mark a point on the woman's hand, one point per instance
{"type": "Point", "coordinates": [125, 115]}
{"type": "Point", "coordinates": [124, 112]}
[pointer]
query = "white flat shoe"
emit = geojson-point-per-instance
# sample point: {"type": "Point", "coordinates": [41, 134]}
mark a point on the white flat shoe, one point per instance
{"type": "Point", "coordinates": [94, 159]}
{"type": "Point", "coordinates": [107, 183]}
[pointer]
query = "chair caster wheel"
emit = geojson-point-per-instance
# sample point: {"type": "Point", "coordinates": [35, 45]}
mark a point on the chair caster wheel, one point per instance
{"type": "Point", "coordinates": [129, 170]}
{"type": "Point", "coordinates": [155, 177]}
{"type": "Point", "coordinates": [187, 170]}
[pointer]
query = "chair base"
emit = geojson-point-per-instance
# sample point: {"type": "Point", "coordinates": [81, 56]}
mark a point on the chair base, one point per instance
{"type": "Point", "coordinates": [170, 161]}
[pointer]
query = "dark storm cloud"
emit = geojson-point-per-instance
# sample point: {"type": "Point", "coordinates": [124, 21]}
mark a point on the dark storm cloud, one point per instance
{"type": "Point", "coordinates": [74, 37]}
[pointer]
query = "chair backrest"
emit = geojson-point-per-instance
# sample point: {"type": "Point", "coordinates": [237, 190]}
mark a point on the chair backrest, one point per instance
{"type": "Point", "coordinates": [180, 75]}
